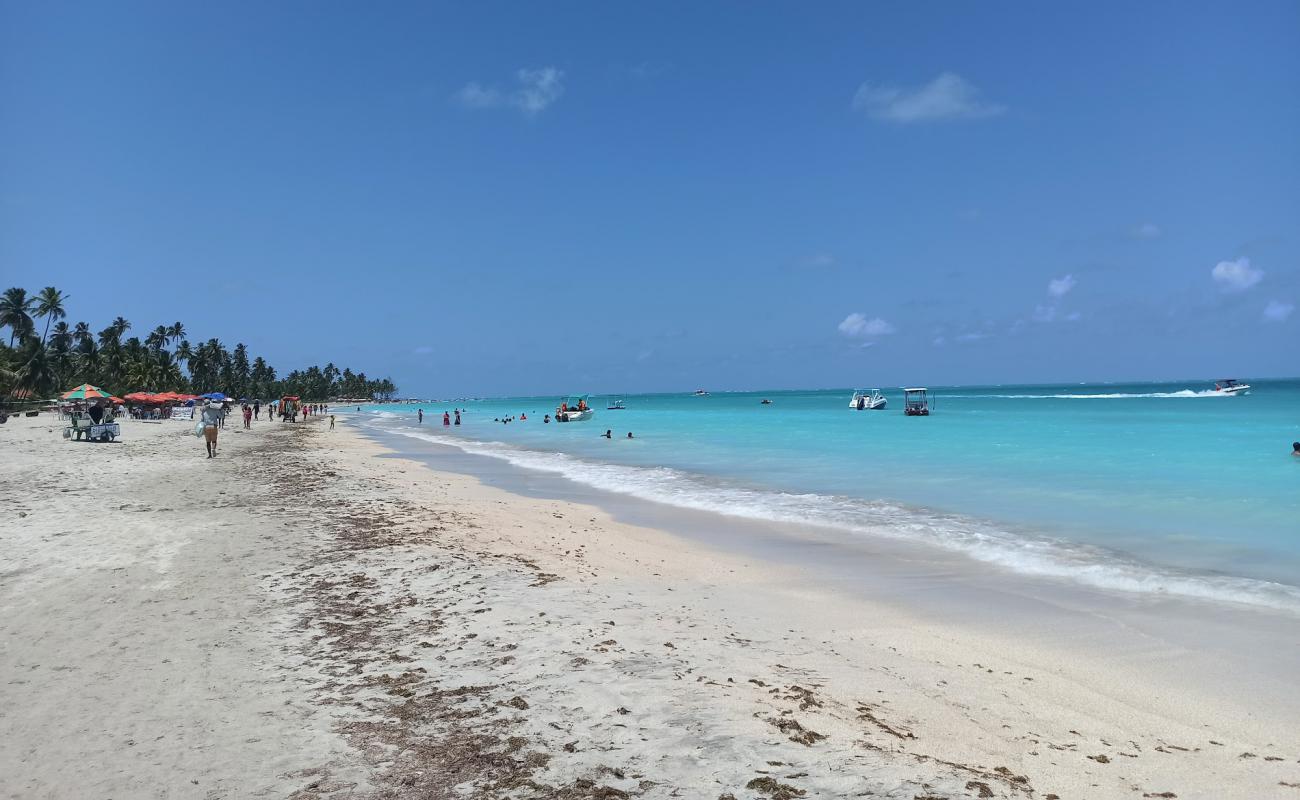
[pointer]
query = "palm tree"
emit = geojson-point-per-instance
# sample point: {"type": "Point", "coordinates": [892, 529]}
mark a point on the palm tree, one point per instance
{"type": "Point", "coordinates": [34, 372]}
{"type": "Point", "coordinates": [121, 326]}
{"type": "Point", "coordinates": [176, 331]}
{"type": "Point", "coordinates": [62, 336]}
{"type": "Point", "coordinates": [81, 335]}
{"type": "Point", "coordinates": [49, 304]}
{"type": "Point", "coordinates": [157, 339]}
{"type": "Point", "coordinates": [16, 312]}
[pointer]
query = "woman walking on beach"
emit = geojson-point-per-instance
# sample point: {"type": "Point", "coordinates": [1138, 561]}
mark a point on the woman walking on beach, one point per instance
{"type": "Point", "coordinates": [248, 417]}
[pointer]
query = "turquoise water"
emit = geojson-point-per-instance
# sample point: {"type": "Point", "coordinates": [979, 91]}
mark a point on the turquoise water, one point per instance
{"type": "Point", "coordinates": [1162, 488]}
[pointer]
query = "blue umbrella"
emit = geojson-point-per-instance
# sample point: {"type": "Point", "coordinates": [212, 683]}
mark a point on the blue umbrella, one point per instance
{"type": "Point", "coordinates": [214, 396]}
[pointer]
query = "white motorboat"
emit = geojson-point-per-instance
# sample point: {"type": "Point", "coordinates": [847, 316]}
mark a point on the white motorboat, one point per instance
{"type": "Point", "coordinates": [616, 405]}
{"type": "Point", "coordinates": [867, 400]}
{"type": "Point", "coordinates": [574, 409]}
{"type": "Point", "coordinates": [1231, 386]}
{"type": "Point", "coordinates": [700, 393]}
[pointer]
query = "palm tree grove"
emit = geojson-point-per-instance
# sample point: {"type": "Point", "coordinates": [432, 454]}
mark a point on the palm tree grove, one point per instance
{"type": "Point", "coordinates": [44, 355]}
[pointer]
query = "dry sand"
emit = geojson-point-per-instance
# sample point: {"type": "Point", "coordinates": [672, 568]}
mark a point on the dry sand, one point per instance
{"type": "Point", "coordinates": [298, 618]}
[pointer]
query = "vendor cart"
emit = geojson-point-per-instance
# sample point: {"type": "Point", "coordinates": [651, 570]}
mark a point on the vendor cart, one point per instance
{"type": "Point", "coordinates": [82, 426]}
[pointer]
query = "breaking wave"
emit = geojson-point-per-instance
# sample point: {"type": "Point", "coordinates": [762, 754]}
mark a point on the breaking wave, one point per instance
{"type": "Point", "coordinates": [977, 539]}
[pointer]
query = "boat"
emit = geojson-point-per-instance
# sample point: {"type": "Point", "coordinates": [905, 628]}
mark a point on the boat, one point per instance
{"type": "Point", "coordinates": [765, 402]}
{"type": "Point", "coordinates": [916, 402]}
{"type": "Point", "coordinates": [574, 409]}
{"type": "Point", "coordinates": [1231, 386]}
{"type": "Point", "coordinates": [867, 400]}
{"type": "Point", "coordinates": [700, 393]}
{"type": "Point", "coordinates": [616, 405]}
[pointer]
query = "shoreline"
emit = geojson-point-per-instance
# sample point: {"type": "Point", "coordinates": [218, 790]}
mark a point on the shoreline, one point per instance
{"type": "Point", "coordinates": [434, 631]}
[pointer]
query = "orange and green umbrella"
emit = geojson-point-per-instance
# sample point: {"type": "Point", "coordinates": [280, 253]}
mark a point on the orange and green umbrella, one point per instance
{"type": "Point", "coordinates": [85, 392]}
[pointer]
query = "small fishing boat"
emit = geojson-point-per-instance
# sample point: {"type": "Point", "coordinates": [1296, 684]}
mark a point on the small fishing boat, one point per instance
{"type": "Point", "coordinates": [1231, 386]}
{"type": "Point", "coordinates": [574, 409]}
{"type": "Point", "coordinates": [616, 405]}
{"type": "Point", "coordinates": [700, 393]}
{"type": "Point", "coordinates": [867, 400]}
{"type": "Point", "coordinates": [916, 402]}
{"type": "Point", "coordinates": [765, 402]}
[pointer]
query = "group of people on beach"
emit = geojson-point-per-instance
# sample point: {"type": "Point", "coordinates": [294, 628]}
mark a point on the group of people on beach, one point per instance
{"type": "Point", "coordinates": [212, 417]}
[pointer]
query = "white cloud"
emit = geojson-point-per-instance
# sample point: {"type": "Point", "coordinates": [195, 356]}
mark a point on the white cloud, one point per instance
{"type": "Point", "coordinates": [1277, 311]}
{"type": "Point", "coordinates": [1060, 287]}
{"type": "Point", "coordinates": [1073, 316]}
{"type": "Point", "coordinates": [948, 96]}
{"type": "Point", "coordinates": [1147, 230]}
{"type": "Point", "coordinates": [1236, 276]}
{"type": "Point", "coordinates": [939, 341]}
{"type": "Point", "coordinates": [1044, 313]}
{"type": "Point", "coordinates": [536, 89]}
{"type": "Point", "coordinates": [858, 326]}
{"type": "Point", "coordinates": [475, 95]}
{"type": "Point", "coordinates": [818, 260]}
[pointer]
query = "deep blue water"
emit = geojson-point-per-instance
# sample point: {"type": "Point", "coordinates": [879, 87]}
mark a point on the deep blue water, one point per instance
{"type": "Point", "coordinates": [1133, 487]}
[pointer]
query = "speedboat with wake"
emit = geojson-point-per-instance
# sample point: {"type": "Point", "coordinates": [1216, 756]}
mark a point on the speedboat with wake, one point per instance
{"type": "Point", "coordinates": [867, 400]}
{"type": "Point", "coordinates": [1231, 386]}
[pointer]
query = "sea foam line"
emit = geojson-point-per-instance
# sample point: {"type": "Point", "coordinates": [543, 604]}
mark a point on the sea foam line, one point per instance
{"type": "Point", "coordinates": [981, 541]}
{"type": "Point", "coordinates": [1183, 393]}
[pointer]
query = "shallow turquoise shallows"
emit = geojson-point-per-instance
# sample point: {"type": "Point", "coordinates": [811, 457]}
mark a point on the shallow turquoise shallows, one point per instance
{"type": "Point", "coordinates": [1167, 488]}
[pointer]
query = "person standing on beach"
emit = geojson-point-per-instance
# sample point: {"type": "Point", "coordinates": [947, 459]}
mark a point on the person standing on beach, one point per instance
{"type": "Point", "coordinates": [420, 415]}
{"type": "Point", "coordinates": [248, 417]}
{"type": "Point", "coordinates": [212, 417]}
{"type": "Point", "coordinates": [257, 409]}
{"type": "Point", "coordinates": [331, 422]}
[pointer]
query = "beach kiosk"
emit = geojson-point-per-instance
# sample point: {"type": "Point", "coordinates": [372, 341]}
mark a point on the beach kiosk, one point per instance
{"type": "Point", "coordinates": [92, 427]}
{"type": "Point", "coordinates": [916, 402]}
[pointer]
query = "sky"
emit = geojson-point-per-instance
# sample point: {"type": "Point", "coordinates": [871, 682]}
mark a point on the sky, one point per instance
{"type": "Point", "coordinates": [510, 198]}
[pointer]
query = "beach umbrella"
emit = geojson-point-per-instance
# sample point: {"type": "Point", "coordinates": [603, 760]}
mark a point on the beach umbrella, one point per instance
{"type": "Point", "coordinates": [117, 401]}
{"type": "Point", "coordinates": [214, 396]}
{"type": "Point", "coordinates": [139, 397]}
{"type": "Point", "coordinates": [85, 392]}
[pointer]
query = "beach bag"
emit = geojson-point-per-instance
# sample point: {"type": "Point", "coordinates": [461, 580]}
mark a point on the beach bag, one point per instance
{"type": "Point", "coordinates": [198, 428]}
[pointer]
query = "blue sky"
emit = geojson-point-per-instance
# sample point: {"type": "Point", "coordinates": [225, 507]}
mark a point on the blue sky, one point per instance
{"type": "Point", "coordinates": [499, 198]}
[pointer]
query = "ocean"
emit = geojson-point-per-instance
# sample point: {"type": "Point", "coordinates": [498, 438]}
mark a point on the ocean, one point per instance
{"type": "Point", "coordinates": [1168, 489]}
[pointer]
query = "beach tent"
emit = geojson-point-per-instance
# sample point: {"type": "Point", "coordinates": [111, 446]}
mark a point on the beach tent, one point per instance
{"type": "Point", "coordinates": [141, 397]}
{"type": "Point", "coordinates": [85, 392]}
{"type": "Point", "coordinates": [214, 396]}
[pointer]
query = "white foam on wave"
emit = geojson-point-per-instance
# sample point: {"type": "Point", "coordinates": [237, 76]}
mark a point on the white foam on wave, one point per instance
{"type": "Point", "coordinates": [1183, 393]}
{"type": "Point", "coordinates": [974, 538]}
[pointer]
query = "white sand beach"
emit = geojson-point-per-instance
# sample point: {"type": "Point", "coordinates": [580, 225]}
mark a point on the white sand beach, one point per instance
{"type": "Point", "coordinates": [301, 617]}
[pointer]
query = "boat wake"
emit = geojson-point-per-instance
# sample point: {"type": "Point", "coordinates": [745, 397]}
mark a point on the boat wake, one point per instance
{"type": "Point", "coordinates": [977, 539]}
{"type": "Point", "coordinates": [1184, 393]}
